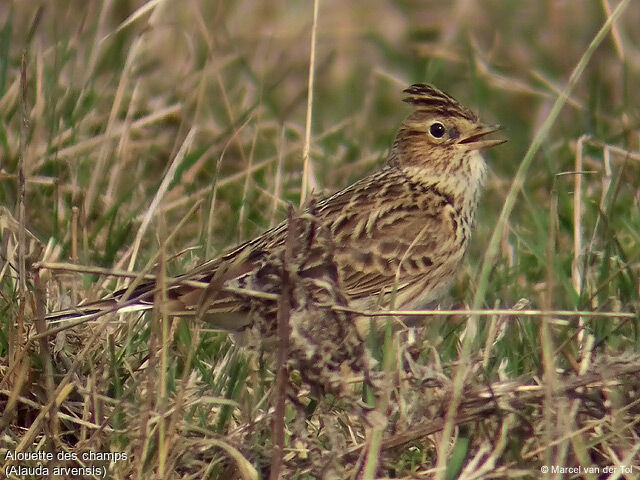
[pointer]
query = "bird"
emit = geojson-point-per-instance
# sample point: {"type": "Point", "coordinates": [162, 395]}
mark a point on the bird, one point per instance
{"type": "Point", "coordinates": [397, 236]}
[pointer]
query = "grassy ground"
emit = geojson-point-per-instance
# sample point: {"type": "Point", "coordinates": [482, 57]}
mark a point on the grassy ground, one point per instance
{"type": "Point", "coordinates": [136, 118]}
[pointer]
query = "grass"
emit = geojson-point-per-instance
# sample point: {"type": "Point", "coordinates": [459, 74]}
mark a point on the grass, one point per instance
{"type": "Point", "coordinates": [159, 134]}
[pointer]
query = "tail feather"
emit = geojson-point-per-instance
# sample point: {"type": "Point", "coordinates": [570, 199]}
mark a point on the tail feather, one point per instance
{"type": "Point", "coordinates": [97, 309]}
{"type": "Point", "coordinates": [184, 298]}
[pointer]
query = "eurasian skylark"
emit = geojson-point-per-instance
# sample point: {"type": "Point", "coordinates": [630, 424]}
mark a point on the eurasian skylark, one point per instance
{"type": "Point", "coordinates": [398, 235]}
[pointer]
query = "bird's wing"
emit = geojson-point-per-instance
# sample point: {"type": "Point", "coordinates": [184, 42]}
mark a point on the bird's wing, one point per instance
{"type": "Point", "coordinates": [388, 231]}
{"type": "Point", "coordinates": [372, 266]}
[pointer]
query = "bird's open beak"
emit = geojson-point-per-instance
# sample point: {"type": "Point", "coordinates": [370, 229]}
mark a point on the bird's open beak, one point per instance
{"type": "Point", "coordinates": [476, 140]}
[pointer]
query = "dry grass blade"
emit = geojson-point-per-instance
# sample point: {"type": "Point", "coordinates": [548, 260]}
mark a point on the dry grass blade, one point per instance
{"type": "Point", "coordinates": [162, 190]}
{"type": "Point", "coordinates": [307, 169]}
{"type": "Point", "coordinates": [282, 374]}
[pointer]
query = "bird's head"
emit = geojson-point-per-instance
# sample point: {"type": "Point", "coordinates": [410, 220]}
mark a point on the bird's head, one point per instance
{"type": "Point", "coordinates": [440, 133]}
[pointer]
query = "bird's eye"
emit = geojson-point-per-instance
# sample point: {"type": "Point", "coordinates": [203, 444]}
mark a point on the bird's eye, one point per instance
{"type": "Point", "coordinates": [437, 129]}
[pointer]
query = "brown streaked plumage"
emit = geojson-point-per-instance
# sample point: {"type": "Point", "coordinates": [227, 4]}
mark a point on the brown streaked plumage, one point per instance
{"type": "Point", "coordinates": [398, 234]}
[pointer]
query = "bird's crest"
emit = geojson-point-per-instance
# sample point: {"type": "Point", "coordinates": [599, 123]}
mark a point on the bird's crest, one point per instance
{"type": "Point", "coordinates": [427, 97]}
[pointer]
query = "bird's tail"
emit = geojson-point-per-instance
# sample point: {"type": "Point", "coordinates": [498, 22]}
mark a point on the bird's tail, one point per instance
{"type": "Point", "coordinates": [204, 298]}
{"type": "Point", "coordinates": [140, 299]}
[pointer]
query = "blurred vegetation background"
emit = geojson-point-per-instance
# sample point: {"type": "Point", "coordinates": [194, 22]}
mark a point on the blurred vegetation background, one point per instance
{"type": "Point", "coordinates": [211, 97]}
